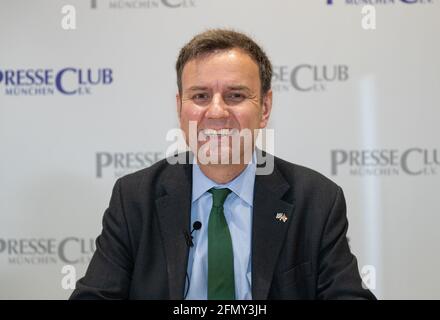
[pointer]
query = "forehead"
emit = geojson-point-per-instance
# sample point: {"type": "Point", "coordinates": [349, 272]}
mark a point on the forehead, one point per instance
{"type": "Point", "coordinates": [224, 67]}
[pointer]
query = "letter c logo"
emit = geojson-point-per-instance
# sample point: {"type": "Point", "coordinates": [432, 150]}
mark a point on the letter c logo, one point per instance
{"type": "Point", "coordinates": [58, 81]}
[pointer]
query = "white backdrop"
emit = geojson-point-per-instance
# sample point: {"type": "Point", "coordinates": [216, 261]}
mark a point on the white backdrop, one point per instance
{"type": "Point", "coordinates": [360, 106]}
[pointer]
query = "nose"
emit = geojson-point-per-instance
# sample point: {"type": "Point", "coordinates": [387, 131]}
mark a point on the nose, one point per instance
{"type": "Point", "coordinates": [217, 108]}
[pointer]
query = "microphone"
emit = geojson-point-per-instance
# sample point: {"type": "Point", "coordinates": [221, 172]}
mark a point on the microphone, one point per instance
{"type": "Point", "coordinates": [188, 236]}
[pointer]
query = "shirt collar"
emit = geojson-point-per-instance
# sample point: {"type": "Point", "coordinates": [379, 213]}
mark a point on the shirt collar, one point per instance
{"type": "Point", "coordinates": [242, 185]}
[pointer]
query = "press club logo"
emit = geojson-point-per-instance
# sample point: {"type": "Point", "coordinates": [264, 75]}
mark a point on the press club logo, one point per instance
{"type": "Point", "coordinates": [119, 164]}
{"type": "Point", "coordinates": [385, 162]}
{"type": "Point", "coordinates": [142, 4]}
{"type": "Point", "coordinates": [309, 77]}
{"type": "Point", "coordinates": [45, 251]}
{"type": "Point", "coordinates": [67, 81]}
{"type": "Point", "coordinates": [379, 2]}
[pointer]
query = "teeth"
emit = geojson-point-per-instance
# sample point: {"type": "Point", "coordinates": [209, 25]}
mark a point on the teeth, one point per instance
{"type": "Point", "coordinates": [221, 132]}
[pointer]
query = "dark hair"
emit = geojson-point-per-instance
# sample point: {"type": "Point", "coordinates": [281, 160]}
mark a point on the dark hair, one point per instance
{"type": "Point", "coordinates": [224, 39]}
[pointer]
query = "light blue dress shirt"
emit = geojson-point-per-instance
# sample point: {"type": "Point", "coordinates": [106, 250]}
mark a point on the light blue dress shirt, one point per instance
{"type": "Point", "coordinates": [238, 213]}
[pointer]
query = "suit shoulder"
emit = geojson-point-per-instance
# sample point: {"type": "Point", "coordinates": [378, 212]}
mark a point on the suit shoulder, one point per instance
{"type": "Point", "coordinates": [150, 178]}
{"type": "Point", "coordinates": [151, 171]}
{"type": "Point", "coordinates": [304, 177]}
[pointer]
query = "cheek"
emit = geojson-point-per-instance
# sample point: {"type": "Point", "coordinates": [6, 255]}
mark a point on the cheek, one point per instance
{"type": "Point", "coordinates": [191, 113]}
{"type": "Point", "coordinates": [247, 118]}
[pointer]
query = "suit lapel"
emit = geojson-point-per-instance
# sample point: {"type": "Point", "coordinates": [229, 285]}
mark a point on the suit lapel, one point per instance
{"type": "Point", "coordinates": [174, 212]}
{"type": "Point", "coordinates": [268, 232]}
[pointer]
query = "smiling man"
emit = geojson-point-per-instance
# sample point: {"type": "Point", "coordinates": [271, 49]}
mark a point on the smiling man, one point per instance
{"type": "Point", "coordinates": [221, 92]}
{"type": "Point", "coordinates": [215, 228]}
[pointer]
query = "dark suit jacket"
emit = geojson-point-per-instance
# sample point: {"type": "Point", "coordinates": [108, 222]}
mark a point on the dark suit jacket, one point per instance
{"type": "Point", "coordinates": [142, 253]}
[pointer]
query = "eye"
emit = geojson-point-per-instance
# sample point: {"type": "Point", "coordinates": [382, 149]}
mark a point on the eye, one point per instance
{"type": "Point", "coordinates": [234, 97]}
{"type": "Point", "coordinates": [201, 97]}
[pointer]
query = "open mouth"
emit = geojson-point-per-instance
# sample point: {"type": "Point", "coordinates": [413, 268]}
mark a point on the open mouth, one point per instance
{"type": "Point", "coordinates": [216, 133]}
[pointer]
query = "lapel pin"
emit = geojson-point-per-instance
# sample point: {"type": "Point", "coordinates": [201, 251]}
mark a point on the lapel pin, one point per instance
{"type": "Point", "coordinates": [281, 217]}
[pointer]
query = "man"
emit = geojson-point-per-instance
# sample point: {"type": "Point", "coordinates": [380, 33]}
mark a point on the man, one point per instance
{"type": "Point", "coordinates": [220, 230]}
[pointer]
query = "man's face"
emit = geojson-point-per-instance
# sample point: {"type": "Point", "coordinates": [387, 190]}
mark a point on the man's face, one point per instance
{"type": "Point", "coordinates": [221, 92]}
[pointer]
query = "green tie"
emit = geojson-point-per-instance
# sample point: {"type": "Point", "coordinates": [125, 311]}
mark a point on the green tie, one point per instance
{"type": "Point", "coordinates": [221, 285]}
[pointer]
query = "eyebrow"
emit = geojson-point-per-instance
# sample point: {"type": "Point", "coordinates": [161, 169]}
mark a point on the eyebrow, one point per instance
{"type": "Point", "coordinates": [233, 87]}
{"type": "Point", "coordinates": [239, 87]}
{"type": "Point", "coordinates": [197, 88]}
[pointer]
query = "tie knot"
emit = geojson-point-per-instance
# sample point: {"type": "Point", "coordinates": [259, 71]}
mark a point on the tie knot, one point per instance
{"type": "Point", "coordinates": [219, 196]}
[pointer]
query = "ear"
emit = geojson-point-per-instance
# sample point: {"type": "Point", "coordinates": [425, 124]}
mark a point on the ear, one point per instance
{"type": "Point", "coordinates": [178, 105]}
{"type": "Point", "coordinates": [266, 109]}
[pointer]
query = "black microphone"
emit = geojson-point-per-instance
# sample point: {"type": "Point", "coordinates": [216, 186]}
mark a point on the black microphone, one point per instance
{"type": "Point", "coordinates": [188, 236]}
